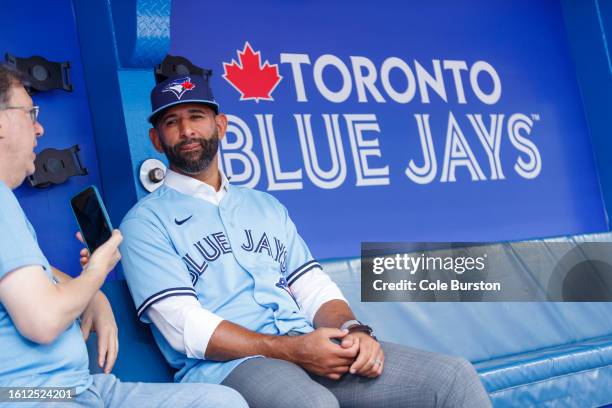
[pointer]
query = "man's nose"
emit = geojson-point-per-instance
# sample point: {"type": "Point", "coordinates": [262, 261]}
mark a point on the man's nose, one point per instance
{"type": "Point", "coordinates": [185, 128]}
{"type": "Point", "coordinates": [39, 130]}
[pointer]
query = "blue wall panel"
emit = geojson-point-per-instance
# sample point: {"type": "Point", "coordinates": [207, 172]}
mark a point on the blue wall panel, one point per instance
{"type": "Point", "coordinates": [48, 29]}
{"type": "Point", "coordinates": [120, 43]}
{"type": "Point", "coordinates": [524, 41]}
{"type": "Point", "coordinates": [589, 29]}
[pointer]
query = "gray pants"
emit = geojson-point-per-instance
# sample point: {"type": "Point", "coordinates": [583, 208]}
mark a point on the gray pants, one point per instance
{"type": "Point", "coordinates": [410, 378]}
{"type": "Point", "coordinates": [108, 391]}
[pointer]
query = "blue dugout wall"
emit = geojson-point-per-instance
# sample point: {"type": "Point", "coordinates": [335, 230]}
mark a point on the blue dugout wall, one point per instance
{"type": "Point", "coordinates": [589, 30]}
{"type": "Point", "coordinates": [403, 122]}
{"type": "Point", "coordinates": [49, 30]}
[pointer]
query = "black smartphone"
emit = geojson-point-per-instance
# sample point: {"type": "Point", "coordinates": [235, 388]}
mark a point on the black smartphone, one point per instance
{"type": "Point", "coordinates": [92, 218]}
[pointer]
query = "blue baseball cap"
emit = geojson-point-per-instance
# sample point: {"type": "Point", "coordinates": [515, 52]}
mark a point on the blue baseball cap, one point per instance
{"type": "Point", "coordinates": [181, 89]}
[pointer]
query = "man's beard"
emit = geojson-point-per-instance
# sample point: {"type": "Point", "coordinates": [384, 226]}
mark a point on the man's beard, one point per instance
{"type": "Point", "coordinates": [192, 162]}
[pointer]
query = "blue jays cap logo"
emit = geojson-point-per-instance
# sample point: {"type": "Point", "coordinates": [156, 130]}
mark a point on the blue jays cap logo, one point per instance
{"type": "Point", "coordinates": [179, 87]}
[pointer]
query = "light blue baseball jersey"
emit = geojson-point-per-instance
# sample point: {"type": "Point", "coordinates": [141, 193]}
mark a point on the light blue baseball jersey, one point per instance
{"type": "Point", "coordinates": [62, 363]}
{"type": "Point", "coordinates": [238, 259]}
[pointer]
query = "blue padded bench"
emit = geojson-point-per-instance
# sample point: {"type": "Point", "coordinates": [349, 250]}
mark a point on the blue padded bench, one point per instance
{"type": "Point", "coordinates": [139, 358]}
{"type": "Point", "coordinates": [527, 354]}
{"type": "Point", "coordinates": [573, 375]}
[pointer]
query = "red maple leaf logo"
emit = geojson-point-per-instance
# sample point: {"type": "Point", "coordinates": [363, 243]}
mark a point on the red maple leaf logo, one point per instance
{"type": "Point", "coordinates": [250, 78]}
{"type": "Point", "coordinates": [187, 85]}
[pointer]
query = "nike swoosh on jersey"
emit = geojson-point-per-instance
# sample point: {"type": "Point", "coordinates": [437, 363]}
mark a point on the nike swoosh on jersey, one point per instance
{"type": "Point", "coordinates": [181, 222]}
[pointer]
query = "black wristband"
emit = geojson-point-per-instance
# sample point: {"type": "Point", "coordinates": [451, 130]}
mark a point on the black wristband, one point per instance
{"type": "Point", "coordinates": [364, 328]}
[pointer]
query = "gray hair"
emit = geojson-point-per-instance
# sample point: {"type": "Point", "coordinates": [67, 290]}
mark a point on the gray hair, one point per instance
{"type": "Point", "coordinates": [9, 77]}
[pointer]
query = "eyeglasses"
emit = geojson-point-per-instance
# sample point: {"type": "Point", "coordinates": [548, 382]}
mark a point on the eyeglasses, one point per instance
{"type": "Point", "coordinates": [32, 111]}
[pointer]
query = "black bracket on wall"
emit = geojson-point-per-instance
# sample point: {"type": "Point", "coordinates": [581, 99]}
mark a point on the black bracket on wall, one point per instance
{"type": "Point", "coordinates": [56, 166]}
{"type": "Point", "coordinates": [42, 74]}
{"type": "Point", "coordinates": [176, 65]}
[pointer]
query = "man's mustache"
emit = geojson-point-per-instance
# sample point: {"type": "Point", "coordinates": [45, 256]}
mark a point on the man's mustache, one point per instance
{"type": "Point", "coordinates": [185, 142]}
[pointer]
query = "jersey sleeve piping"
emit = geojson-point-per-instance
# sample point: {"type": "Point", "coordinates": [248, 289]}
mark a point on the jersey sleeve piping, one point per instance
{"type": "Point", "coordinates": [163, 294]}
{"type": "Point", "coordinates": [300, 271]}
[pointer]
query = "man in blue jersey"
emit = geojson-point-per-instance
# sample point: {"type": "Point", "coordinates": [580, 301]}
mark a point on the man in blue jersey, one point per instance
{"type": "Point", "coordinates": [236, 298]}
{"type": "Point", "coordinates": [42, 343]}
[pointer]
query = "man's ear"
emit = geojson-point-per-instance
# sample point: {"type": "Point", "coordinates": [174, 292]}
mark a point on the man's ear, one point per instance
{"type": "Point", "coordinates": [221, 122]}
{"type": "Point", "coordinates": [154, 136]}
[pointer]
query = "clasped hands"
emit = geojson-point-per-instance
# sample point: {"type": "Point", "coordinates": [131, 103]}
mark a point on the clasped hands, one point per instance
{"type": "Point", "coordinates": [357, 353]}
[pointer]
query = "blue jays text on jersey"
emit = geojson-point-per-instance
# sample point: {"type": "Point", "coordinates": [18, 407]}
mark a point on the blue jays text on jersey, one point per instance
{"type": "Point", "coordinates": [209, 248]}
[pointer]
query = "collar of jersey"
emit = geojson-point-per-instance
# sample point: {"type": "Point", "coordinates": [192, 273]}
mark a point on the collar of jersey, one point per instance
{"type": "Point", "coordinates": [196, 188]}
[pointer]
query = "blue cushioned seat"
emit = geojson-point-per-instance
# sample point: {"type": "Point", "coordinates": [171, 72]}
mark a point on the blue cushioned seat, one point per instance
{"type": "Point", "coordinates": [139, 358]}
{"type": "Point", "coordinates": [576, 375]}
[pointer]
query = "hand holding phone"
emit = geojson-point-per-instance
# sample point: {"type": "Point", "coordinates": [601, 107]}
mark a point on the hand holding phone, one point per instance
{"type": "Point", "coordinates": [106, 256]}
{"type": "Point", "coordinates": [91, 217]}
{"type": "Point", "coordinates": [96, 230]}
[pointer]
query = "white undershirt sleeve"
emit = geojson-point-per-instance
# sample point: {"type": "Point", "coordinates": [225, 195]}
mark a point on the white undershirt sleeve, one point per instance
{"type": "Point", "coordinates": [313, 289]}
{"type": "Point", "coordinates": [184, 324]}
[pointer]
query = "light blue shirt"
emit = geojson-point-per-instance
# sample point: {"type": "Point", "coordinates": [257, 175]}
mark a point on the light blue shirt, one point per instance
{"type": "Point", "coordinates": [62, 363]}
{"type": "Point", "coordinates": [238, 259]}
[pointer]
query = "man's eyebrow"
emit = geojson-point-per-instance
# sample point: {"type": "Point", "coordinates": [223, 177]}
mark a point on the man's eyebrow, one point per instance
{"type": "Point", "coordinates": [174, 115]}
{"type": "Point", "coordinates": [166, 116]}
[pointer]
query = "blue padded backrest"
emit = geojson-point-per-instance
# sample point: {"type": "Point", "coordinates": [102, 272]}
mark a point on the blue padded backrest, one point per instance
{"type": "Point", "coordinates": [478, 331]}
{"type": "Point", "coordinates": [139, 358]}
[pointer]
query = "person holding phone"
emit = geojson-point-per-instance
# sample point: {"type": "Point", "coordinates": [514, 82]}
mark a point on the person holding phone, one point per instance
{"type": "Point", "coordinates": [42, 342]}
{"type": "Point", "coordinates": [224, 277]}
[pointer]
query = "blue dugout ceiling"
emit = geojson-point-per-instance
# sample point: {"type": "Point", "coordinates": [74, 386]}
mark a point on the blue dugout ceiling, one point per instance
{"type": "Point", "coordinates": [113, 46]}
